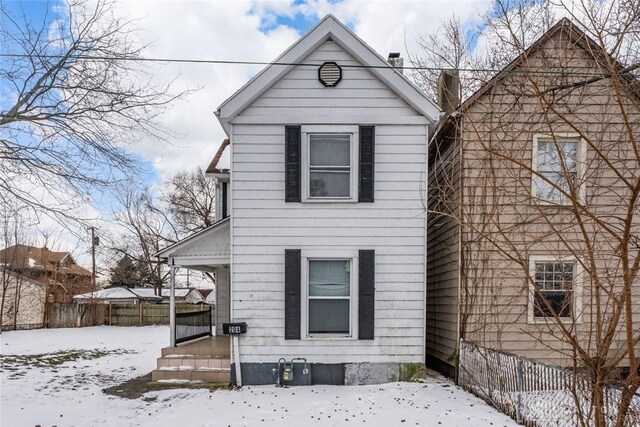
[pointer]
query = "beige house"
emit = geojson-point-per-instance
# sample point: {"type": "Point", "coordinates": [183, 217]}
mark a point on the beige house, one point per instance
{"type": "Point", "coordinates": [533, 212]}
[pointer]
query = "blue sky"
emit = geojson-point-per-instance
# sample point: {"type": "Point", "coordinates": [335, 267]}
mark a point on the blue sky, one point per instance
{"type": "Point", "coordinates": [245, 30]}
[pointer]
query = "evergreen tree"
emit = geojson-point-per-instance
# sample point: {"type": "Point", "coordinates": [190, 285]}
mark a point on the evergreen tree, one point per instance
{"type": "Point", "coordinates": [125, 273]}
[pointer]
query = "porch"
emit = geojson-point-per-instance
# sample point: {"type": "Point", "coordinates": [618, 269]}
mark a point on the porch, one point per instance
{"type": "Point", "coordinates": [197, 351]}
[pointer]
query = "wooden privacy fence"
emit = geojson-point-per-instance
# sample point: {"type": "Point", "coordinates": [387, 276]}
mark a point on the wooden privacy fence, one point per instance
{"type": "Point", "coordinates": [72, 315]}
{"type": "Point", "coordinates": [533, 393]}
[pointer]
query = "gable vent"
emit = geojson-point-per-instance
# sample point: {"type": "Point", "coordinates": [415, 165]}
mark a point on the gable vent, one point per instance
{"type": "Point", "coordinates": [330, 74]}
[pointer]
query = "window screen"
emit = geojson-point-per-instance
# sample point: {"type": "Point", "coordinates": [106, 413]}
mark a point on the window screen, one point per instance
{"type": "Point", "coordinates": [329, 166]}
{"type": "Point", "coordinates": [329, 296]}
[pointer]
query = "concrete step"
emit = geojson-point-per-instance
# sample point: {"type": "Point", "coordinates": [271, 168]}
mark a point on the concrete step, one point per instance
{"type": "Point", "coordinates": [202, 375]}
{"type": "Point", "coordinates": [195, 350]}
{"type": "Point", "coordinates": [193, 361]}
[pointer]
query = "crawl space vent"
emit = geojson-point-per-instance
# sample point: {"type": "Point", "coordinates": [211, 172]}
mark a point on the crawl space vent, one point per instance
{"type": "Point", "coordinates": [330, 74]}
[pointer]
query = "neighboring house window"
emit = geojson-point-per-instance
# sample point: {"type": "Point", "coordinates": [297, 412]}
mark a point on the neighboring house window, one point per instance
{"type": "Point", "coordinates": [557, 163]}
{"type": "Point", "coordinates": [329, 295]}
{"type": "Point", "coordinates": [555, 281]}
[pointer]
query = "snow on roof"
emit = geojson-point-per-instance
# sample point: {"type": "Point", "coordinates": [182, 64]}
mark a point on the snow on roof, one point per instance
{"type": "Point", "coordinates": [211, 298]}
{"type": "Point", "coordinates": [109, 293]}
{"type": "Point", "coordinates": [128, 293]}
{"type": "Point", "coordinates": [150, 292]}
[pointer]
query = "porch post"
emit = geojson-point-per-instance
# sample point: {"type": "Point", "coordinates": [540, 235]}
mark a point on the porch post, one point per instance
{"type": "Point", "coordinates": [172, 303]}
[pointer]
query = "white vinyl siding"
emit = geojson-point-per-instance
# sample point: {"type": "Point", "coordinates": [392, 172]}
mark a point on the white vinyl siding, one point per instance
{"type": "Point", "coordinates": [394, 225]}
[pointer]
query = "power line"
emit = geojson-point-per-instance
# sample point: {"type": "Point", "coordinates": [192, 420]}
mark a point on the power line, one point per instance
{"type": "Point", "coordinates": [307, 64]}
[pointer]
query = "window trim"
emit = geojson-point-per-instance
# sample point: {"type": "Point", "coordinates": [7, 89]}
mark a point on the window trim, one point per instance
{"type": "Point", "coordinates": [353, 132]}
{"type": "Point", "coordinates": [581, 157]}
{"type": "Point", "coordinates": [321, 255]}
{"type": "Point", "coordinates": [577, 289]}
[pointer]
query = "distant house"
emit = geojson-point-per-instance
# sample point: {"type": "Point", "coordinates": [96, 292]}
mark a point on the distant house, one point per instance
{"type": "Point", "coordinates": [22, 301]}
{"type": "Point", "coordinates": [209, 296]}
{"type": "Point", "coordinates": [58, 270]}
{"type": "Point", "coordinates": [118, 295]}
{"type": "Point", "coordinates": [183, 295]}
{"type": "Point", "coordinates": [122, 295]}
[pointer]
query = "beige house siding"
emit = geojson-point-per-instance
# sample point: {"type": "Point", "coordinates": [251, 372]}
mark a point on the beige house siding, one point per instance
{"type": "Point", "coordinates": [442, 253]}
{"type": "Point", "coordinates": [496, 197]}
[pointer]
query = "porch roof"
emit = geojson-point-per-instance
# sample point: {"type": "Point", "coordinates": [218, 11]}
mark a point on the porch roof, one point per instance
{"type": "Point", "coordinates": [202, 250]}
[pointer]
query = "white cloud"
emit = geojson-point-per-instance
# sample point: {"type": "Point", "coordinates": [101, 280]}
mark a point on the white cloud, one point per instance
{"type": "Point", "coordinates": [232, 30]}
{"type": "Point", "coordinates": [200, 30]}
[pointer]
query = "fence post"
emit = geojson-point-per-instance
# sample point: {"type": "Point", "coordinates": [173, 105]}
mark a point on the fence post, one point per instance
{"type": "Point", "coordinates": [139, 314]}
{"type": "Point", "coordinates": [460, 363]}
{"type": "Point", "coordinates": [210, 322]}
{"type": "Point", "coordinates": [519, 375]}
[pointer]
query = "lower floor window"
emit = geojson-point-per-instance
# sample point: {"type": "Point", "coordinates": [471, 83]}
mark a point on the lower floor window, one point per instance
{"type": "Point", "coordinates": [554, 288]}
{"type": "Point", "coordinates": [329, 296]}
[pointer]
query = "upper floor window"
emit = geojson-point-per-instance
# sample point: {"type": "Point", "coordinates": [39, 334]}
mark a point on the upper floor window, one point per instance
{"type": "Point", "coordinates": [557, 163]}
{"type": "Point", "coordinates": [330, 163]}
{"type": "Point", "coordinates": [330, 166]}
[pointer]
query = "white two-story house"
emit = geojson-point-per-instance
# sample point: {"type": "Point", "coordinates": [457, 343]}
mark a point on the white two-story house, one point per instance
{"type": "Point", "coordinates": [320, 247]}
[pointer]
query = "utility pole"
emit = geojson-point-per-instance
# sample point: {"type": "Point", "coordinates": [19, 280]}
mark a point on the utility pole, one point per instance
{"type": "Point", "coordinates": [95, 241]}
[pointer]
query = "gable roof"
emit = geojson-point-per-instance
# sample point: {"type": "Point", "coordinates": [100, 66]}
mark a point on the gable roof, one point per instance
{"type": "Point", "coordinates": [211, 241]}
{"type": "Point", "coordinates": [22, 257]}
{"type": "Point", "coordinates": [572, 31]}
{"type": "Point", "coordinates": [328, 28]}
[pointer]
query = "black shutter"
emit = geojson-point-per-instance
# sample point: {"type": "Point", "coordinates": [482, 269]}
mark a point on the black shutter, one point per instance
{"type": "Point", "coordinates": [292, 137]}
{"type": "Point", "coordinates": [367, 163]}
{"type": "Point", "coordinates": [366, 294]}
{"type": "Point", "coordinates": [292, 294]}
{"type": "Point", "coordinates": [225, 209]}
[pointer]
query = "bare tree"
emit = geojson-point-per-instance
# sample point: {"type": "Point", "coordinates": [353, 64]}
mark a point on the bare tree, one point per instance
{"type": "Point", "coordinates": [190, 198]}
{"type": "Point", "coordinates": [79, 96]}
{"type": "Point", "coordinates": [449, 47]}
{"type": "Point", "coordinates": [185, 205]}
{"type": "Point", "coordinates": [550, 166]}
{"type": "Point", "coordinates": [147, 229]}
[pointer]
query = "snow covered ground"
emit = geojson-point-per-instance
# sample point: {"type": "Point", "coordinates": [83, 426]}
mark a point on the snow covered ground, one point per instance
{"type": "Point", "coordinates": [55, 377]}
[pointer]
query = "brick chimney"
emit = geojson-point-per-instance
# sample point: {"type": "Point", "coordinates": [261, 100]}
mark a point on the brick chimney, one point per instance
{"type": "Point", "coordinates": [448, 90]}
{"type": "Point", "coordinates": [395, 61]}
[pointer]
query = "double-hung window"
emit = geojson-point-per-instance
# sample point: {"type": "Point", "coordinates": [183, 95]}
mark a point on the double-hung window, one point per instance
{"type": "Point", "coordinates": [329, 296]}
{"type": "Point", "coordinates": [330, 166]}
{"type": "Point", "coordinates": [554, 291]}
{"type": "Point", "coordinates": [556, 162]}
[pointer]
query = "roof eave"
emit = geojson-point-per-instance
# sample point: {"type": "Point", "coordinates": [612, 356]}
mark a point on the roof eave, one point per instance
{"type": "Point", "coordinates": [166, 252]}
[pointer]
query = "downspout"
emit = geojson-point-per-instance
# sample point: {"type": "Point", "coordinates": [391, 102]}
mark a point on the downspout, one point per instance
{"type": "Point", "coordinates": [172, 303]}
{"type": "Point", "coordinates": [426, 242]}
{"type": "Point", "coordinates": [235, 341]}
{"type": "Point", "coordinates": [458, 127]}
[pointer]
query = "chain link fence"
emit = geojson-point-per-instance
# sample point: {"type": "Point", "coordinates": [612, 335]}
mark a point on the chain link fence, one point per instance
{"type": "Point", "coordinates": [533, 393]}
